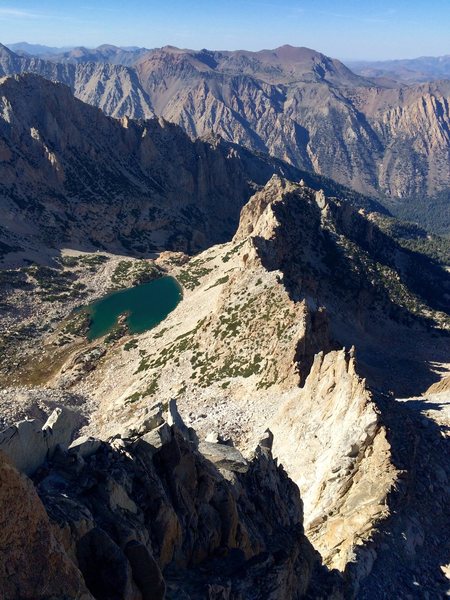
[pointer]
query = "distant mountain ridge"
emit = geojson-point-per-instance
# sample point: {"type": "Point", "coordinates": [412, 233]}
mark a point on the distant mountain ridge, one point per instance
{"type": "Point", "coordinates": [36, 49]}
{"type": "Point", "coordinates": [409, 70]}
{"type": "Point", "coordinates": [377, 136]}
{"type": "Point", "coordinates": [113, 88]}
{"type": "Point", "coordinates": [106, 53]}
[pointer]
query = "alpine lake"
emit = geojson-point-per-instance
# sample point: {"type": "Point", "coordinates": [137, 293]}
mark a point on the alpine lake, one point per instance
{"type": "Point", "coordinates": [144, 305]}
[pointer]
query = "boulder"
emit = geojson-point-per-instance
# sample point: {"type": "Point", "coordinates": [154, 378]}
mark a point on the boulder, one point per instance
{"type": "Point", "coordinates": [85, 446]}
{"type": "Point", "coordinates": [212, 437]}
{"type": "Point", "coordinates": [154, 440]}
{"type": "Point", "coordinates": [224, 457]}
{"type": "Point", "coordinates": [29, 443]}
{"type": "Point", "coordinates": [152, 418]}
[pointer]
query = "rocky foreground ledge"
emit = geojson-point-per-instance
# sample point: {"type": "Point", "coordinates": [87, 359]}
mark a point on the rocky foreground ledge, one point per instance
{"type": "Point", "coordinates": [146, 516]}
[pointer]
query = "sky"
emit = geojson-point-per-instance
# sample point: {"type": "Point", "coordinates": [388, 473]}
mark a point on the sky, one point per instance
{"type": "Point", "coordinates": [348, 29]}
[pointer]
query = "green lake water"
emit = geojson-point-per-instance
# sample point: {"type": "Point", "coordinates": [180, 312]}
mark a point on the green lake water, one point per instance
{"type": "Point", "coordinates": [145, 305]}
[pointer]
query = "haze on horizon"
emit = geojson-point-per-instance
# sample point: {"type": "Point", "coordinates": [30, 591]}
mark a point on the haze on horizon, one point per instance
{"type": "Point", "coordinates": [350, 30]}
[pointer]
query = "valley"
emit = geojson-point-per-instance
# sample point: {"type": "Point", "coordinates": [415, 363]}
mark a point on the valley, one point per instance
{"type": "Point", "coordinates": [253, 327]}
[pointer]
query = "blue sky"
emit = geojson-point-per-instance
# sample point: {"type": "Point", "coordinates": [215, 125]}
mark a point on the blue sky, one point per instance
{"type": "Point", "coordinates": [349, 29]}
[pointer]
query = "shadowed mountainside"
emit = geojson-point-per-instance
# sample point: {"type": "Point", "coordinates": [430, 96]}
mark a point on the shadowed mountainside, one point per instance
{"type": "Point", "coordinates": [95, 182]}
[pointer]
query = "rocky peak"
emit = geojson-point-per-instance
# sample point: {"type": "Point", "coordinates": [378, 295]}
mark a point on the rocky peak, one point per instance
{"type": "Point", "coordinates": [337, 257]}
{"type": "Point", "coordinates": [251, 221]}
{"type": "Point", "coordinates": [9, 61]}
{"type": "Point", "coordinates": [344, 469]}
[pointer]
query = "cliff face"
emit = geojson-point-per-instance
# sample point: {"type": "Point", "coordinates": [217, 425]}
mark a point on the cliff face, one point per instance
{"type": "Point", "coordinates": [91, 181]}
{"type": "Point", "coordinates": [413, 126]}
{"type": "Point", "coordinates": [311, 111]}
{"type": "Point", "coordinates": [138, 516]}
{"type": "Point", "coordinates": [113, 88]}
{"type": "Point", "coordinates": [330, 439]}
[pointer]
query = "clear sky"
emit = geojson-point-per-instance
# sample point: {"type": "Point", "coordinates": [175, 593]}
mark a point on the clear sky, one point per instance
{"type": "Point", "coordinates": [348, 29]}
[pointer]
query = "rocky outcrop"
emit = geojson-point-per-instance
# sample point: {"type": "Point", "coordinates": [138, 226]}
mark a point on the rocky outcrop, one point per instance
{"type": "Point", "coordinates": [330, 439]}
{"type": "Point", "coordinates": [34, 563]}
{"type": "Point", "coordinates": [139, 516]}
{"type": "Point", "coordinates": [29, 443]}
{"type": "Point", "coordinates": [351, 276]}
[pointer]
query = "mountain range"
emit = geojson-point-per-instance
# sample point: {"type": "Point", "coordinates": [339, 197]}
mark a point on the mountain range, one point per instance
{"type": "Point", "coordinates": [154, 187]}
{"type": "Point", "coordinates": [390, 140]}
{"type": "Point", "coordinates": [282, 434]}
{"type": "Point", "coordinates": [408, 70]}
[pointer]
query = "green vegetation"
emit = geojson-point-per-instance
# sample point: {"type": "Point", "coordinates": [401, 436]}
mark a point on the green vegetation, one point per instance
{"type": "Point", "coordinates": [240, 322]}
{"type": "Point", "coordinates": [159, 334]}
{"type": "Point", "coordinates": [150, 390]}
{"type": "Point", "coordinates": [220, 281]}
{"type": "Point", "coordinates": [433, 214]}
{"type": "Point", "coordinates": [415, 238]}
{"type": "Point", "coordinates": [130, 345]}
{"type": "Point", "coordinates": [119, 330]}
{"type": "Point", "coordinates": [172, 351]}
{"type": "Point", "coordinates": [234, 250]}
{"type": "Point", "coordinates": [55, 285]}
{"type": "Point", "coordinates": [376, 276]}
{"type": "Point", "coordinates": [271, 376]}
{"type": "Point", "coordinates": [207, 372]}
{"type": "Point", "coordinates": [133, 398]}
{"type": "Point", "coordinates": [190, 277]}
{"type": "Point", "coordinates": [89, 260]}
{"type": "Point", "coordinates": [77, 324]}
{"type": "Point", "coordinates": [152, 387]}
{"type": "Point", "coordinates": [132, 272]}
